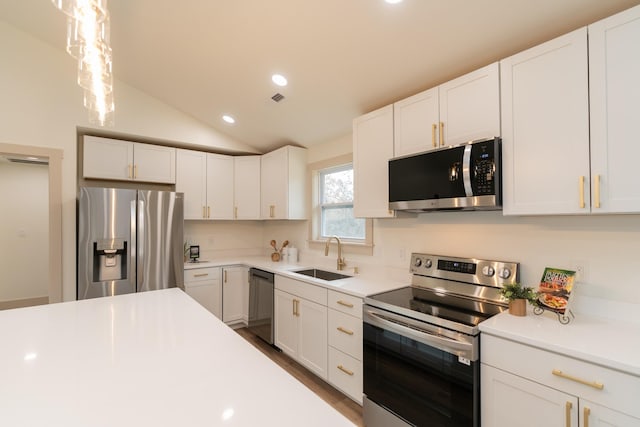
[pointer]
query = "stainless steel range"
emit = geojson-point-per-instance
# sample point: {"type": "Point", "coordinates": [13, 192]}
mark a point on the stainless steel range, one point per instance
{"type": "Point", "coordinates": [421, 342]}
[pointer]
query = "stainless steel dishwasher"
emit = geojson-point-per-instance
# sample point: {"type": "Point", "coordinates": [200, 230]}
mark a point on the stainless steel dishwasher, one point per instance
{"type": "Point", "coordinates": [261, 304]}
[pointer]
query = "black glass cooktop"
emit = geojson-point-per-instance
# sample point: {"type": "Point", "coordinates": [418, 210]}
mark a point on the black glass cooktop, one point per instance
{"type": "Point", "coordinates": [424, 301]}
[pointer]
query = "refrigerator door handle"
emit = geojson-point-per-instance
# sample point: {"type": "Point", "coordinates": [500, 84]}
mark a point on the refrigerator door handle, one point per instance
{"type": "Point", "coordinates": [141, 239]}
{"type": "Point", "coordinates": [133, 250]}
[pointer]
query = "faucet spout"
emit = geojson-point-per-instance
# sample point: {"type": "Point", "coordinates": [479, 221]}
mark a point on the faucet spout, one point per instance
{"type": "Point", "coordinates": [340, 262]}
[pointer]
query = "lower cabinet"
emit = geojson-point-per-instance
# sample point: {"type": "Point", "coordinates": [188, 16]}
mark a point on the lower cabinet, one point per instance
{"type": "Point", "coordinates": [234, 294]}
{"type": "Point", "coordinates": [203, 285]}
{"type": "Point", "coordinates": [300, 315]}
{"type": "Point", "coordinates": [530, 387]}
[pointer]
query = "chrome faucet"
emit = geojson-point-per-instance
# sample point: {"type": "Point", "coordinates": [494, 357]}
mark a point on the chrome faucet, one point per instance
{"type": "Point", "coordinates": [341, 263]}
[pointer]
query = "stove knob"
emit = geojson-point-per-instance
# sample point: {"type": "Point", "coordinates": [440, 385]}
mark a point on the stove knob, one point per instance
{"type": "Point", "coordinates": [427, 263]}
{"type": "Point", "coordinates": [417, 262]}
{"type": "Point", "coordinates": [504, 273]}
{"type": "Point", "coordinates": [488, 271]}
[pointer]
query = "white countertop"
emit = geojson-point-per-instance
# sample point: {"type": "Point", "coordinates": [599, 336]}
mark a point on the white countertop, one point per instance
{"type": "Point", "coordinates": [356, 285]}
{"type": "Point", "coordinates": [597, 340]}
{"type": "Point", "coordinates": [149, 359]}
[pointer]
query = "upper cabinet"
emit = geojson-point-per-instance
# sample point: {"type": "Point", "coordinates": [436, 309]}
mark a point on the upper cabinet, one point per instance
{"type": "Point", "coordinates": [464, 109]}
{"type": "Point", "coordinates": [545, 128]}
{"type": "Point", "coordinates": [114, 159]}
{"type": "Point", "coordinates": [614, 89]}
{"type": "Point", "coordinates": [283, 184]}
{"type": "Point", "coordinates": [372, 149]}
{"type": "Point", "coordinates": [220, 186]}
{"type": "Point", "coordinates": [246, 187]}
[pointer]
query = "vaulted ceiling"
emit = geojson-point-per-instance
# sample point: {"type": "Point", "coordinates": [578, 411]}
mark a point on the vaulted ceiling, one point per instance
{"type": "Point", "coordinates": [342, 58]}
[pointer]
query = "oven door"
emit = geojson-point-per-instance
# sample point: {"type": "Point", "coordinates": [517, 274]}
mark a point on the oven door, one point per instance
{"type": "Point", "coordinates": [418, 375]}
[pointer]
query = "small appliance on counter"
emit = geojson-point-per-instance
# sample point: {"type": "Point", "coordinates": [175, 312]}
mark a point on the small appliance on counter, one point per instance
{"type": "Point", "coordinates": [194, 253]}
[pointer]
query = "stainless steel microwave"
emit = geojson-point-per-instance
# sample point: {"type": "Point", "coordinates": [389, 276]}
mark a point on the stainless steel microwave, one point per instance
{"type": "Point", "coordinates": [463, 177]}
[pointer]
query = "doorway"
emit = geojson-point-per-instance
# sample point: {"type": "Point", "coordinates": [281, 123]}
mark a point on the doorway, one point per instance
{"type": "Point", "coordinates": [31, 221]}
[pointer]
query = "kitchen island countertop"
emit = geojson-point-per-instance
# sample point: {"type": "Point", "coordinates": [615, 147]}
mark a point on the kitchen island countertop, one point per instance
{"type": "Point", "coordinates": [149, 359]}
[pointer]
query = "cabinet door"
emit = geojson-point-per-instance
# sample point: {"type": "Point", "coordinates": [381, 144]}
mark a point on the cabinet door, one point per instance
{"type": "Point", "coordinates": [107, 158]}
{"type": "Point", "coordinates": [154, 163]}
{"type": "Point", "coordinates": [594, 415]}
{"type": "Point", "coordinates": [509, 400]}
{"type": "Point", "coordinates": [470, 106]}
{"type": "Point", "coordinates": [415, 121]}
{"type": "Point", "coordinates": [233, 293]}
{"type": "Point", "coordinates": [286, 323]}
{"type": "Point", "coordinates": [191, 179]}
{"type": "Point", "coordinates": [545, 128]}
{"type": "Point", "coordinates": [273, 186]}
{"type": "Point", "coordinates": [312, 337]}
{"type": "Point", "coordinates": [219, 186]}
{"type": "Point", "coordinates": [372, 149]}
{"type": "Point", "coordinates": [247, 187]}
{"type": "Point", "coordinates": [614, 84]}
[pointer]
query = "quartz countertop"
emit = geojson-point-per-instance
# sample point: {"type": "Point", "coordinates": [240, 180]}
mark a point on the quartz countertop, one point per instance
{"type": "Point", "coordinates": [154, 358]}
{"type": "Point", "coordinates": [356, 285]}
{"type": "Point", "coordinates": [597, 340]}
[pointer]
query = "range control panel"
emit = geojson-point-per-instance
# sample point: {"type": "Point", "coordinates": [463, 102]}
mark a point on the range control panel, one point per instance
{"type": "Point", "coordinates": [467, 270]}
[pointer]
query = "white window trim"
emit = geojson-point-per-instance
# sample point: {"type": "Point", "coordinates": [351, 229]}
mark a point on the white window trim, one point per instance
{"type": "Point", "coordinates": [315, 241]}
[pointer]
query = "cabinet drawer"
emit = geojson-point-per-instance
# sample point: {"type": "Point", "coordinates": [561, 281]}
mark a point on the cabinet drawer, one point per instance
{"type": "Point", "coordinates": [345, 333]}
{"type": "Point", "coordinates": [304, 290]}
{"type": "Point", "coordinates": [200, 274]}
{"type": "Point", "coordinates": [345, 303]}
{"type": "Point", "coordinates": [345, 373]}
{"type": "Point", "coordinates": [619, 391]}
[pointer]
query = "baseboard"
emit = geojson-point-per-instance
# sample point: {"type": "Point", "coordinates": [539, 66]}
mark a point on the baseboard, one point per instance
{"type": "Point", "coordinates": [26, 302]}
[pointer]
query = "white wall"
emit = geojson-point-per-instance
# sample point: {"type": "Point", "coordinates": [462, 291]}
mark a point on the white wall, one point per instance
{"type": "Point", "coordinates": [41, 105]}
{"type": "Point", "coordinates": [24, 227]}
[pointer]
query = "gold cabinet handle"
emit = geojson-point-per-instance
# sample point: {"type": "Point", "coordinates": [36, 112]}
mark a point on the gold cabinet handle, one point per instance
{"type": "Point", "coordinates": [224, 273]}
{"type": "Point", "coordinates": [597, 191]}
{"type": "Point", "coordinates": [343, 330]}
{"type": "Point", "coordinates": [201, 275]}
{"type": "Point", "coordinates": [135, 171]}
{"type": "Point", "coordinates": [346, 304]}
{"type": "Point", "coordinates": [272, 211]}
{"type": "Point", "coordinates": [433, 135]}
{"type": "Point", "coordinates": [586, 413]}
{"type": "Point", "coordinates": [129, 173]}
{"type": "Point", "coordinates": [208, 211]}
{"type": "Point", "coordinates": [441, 134]}
{"type": "Point", "coordinates": [567, 413]}
{"type": "Point", "coordinates": [581, 189]}
{"type": "Point", "coordinates": [594, 384]}
{"type": "Point", "coordinates": [345, 370]}
{"type": "Point", "coordinates": [296, 308]}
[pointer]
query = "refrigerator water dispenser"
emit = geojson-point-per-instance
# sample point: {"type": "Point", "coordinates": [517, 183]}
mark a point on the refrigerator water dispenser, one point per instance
{"type": "Point", "coordinates": [109, 260]}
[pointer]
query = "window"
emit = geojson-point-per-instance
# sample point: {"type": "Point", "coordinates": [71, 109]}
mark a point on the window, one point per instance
{"type": "Point", "coordinates": [335, 205]}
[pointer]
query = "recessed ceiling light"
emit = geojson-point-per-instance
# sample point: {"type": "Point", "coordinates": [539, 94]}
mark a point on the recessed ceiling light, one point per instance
{"type": "Point", "coordinates": [279, 79]}
{"type": "Point", "coordinates": [393, 1]}
{"type": "Point", "coordinates": [228, 119]}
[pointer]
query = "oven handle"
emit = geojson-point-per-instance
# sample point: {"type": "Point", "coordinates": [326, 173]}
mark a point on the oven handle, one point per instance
{"type": "Point", "coordinates": [422, 335]}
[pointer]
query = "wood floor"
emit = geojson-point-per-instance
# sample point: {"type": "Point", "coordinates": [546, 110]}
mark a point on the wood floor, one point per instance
{"type": "Point", "coordinates": [339, 401]}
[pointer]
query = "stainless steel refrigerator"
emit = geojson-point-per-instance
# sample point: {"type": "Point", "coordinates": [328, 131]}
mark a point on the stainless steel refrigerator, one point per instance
{"type": "Point", "coordinates": [128, 241]}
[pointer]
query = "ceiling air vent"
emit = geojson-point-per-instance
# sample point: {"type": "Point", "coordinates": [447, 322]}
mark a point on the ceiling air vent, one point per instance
{"type": "Point", "coordinates": [278, 97]}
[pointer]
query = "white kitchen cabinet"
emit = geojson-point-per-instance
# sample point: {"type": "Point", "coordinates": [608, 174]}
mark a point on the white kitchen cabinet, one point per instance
{"type": "Point", "coordinates": [114, 159]}
{"type": "Point", "coordinates": [220, 186]}
{"type": "Point", "coordinates": [300, 316]}
{"type": "Point", "coordinates": [206, 180]}
{"type": "Point", "coordinates": [530, 386]}
{"type": "Point", "coordinates": [203, 285]}
{"type": "Point", "coordinates": [463, 109]}
{"type": "Point", "coordinates": [545, 128]}
{"type": "Point", "coordinates": [233, 294]}
{"type": "Point", "coordinates": [345, 343]}
{"type": "Point", "coordinates": [283, 180]}
{"type": "Point", "coordinates": [246, 187]}
{"type": "Point", "coordinates": [372, 149]}
{"type": "Point", "coordinates": [614, 89]}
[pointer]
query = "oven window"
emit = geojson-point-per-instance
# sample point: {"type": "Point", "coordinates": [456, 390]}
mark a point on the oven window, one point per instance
{"type": "Point", "coordinates": [423, 385]}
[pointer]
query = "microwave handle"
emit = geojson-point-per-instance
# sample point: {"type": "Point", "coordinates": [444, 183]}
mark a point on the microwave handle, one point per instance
{"type": "Point", "coordinates": [466, 171]}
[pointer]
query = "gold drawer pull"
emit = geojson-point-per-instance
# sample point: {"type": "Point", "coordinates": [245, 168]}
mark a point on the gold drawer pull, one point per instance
{"type": "Point", "coordinates": [346, 331]}
{"type": "Point", "coordinates": [567, 413]}
{"type": "Point", "coordinates": [597, 192]}
{"type": "Point", "coordinates": [581, 190]}
{"type": "Point", "coordinates": [129, 173]}
{"type": "Point", "coordinates": [442, 134]}
{"type": "Point", "coordinates": [434, 127]}
{"type": "Point", "coordinates": [594, 384]}
{"type": "Point", "coordinates": [345, 370]}
{"type": "Point", "coordinates": [587, 412]}
{"type": "Point", "coordinates": [201, 275]}
{"type": "Point", "coordinates": [346, 304]}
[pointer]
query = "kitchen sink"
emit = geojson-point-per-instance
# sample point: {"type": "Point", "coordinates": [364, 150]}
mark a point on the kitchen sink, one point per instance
{"type": "Point", "coordinates": [321, 274]}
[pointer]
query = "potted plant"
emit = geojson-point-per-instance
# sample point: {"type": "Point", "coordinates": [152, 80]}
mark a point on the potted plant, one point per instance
{"type": "Point", "coordinates": [518, 295]}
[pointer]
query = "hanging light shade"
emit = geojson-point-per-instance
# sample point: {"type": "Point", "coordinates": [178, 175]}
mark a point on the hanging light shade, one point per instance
{"type": "Point", "coordinates": [77, 8]}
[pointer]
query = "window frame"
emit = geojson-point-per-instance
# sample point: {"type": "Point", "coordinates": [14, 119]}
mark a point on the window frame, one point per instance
{"type": "Point", "coordinates": [323, 206]}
